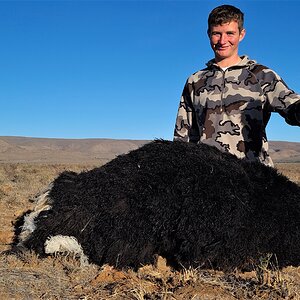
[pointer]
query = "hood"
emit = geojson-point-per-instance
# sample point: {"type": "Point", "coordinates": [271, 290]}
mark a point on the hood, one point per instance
{"type": "Point", "coordinates": [246, 61]}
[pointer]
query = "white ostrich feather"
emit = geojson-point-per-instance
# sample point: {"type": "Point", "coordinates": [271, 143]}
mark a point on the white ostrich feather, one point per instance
{"type": "Point", "coordinates": [65, 244]}
{"type": "Point", "coordinates": [43, 203]}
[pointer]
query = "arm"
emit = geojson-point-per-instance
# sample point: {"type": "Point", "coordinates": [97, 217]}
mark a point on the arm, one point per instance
{"type": "Point", "coordinates": [294, 114]}
{"type": "Point", "coordinates": [186, 128]}
{"type": "Point", "coordinates": [282, 99]}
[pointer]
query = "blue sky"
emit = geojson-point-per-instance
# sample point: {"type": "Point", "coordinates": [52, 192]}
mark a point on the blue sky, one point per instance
{"type": "Point", "coordinates": [116, 69]}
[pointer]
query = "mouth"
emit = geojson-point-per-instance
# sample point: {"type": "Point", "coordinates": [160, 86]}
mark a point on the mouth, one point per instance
{"type": "Point", "coordinates": [221, 48]}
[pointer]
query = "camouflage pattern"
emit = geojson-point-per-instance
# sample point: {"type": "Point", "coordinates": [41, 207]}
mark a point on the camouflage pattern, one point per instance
{"type": "Point", "coordinates": [230, 109]}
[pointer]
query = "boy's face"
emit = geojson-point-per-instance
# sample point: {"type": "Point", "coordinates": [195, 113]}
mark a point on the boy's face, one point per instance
{"type": "Point", "coordinates": [225, 39]}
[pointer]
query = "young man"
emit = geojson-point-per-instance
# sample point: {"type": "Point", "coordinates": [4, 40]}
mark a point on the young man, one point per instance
{"type": "Point", "coordinates": [228, 104]}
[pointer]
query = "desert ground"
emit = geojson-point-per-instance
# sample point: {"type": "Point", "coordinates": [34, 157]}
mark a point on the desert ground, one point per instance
{"type": "Point", "coordinates": [26, 276]}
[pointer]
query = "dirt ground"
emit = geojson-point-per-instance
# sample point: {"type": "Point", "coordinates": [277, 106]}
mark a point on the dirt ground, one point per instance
{"type": "Point", "coordinates": [25, 276]}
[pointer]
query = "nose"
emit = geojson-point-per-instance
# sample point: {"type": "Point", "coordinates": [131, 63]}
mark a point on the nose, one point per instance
{"type": "Point", "coordinates": [223, 39]}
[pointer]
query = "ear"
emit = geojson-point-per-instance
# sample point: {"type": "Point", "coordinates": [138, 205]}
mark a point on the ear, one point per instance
{"type": "Point", "coordinates": [208, 32]}
{"type": "Point", "coordinates": [242, 34]}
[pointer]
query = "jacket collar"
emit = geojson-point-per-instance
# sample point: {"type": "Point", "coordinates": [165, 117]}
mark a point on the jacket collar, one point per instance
{"type": "Point", "coordinates": [246, 61]}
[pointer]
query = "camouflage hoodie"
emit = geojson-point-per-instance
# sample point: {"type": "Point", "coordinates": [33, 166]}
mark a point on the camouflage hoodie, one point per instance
{"type": "Point", "coordinates": [230, 109]}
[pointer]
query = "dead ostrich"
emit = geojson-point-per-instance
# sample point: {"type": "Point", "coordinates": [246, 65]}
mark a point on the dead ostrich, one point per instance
{"type": "Point", "coordinates": [191, 204]}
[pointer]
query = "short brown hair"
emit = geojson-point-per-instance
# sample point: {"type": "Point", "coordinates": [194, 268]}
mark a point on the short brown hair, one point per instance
{"type": "Point", "coordinates": [225, 14]}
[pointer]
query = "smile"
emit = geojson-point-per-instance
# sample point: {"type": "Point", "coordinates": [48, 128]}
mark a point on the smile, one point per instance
{"type": "Point", "coordinates": [222, 48]}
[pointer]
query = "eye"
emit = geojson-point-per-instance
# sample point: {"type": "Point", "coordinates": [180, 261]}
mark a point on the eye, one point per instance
{"type": "Point", "coordinates": [214, 33]}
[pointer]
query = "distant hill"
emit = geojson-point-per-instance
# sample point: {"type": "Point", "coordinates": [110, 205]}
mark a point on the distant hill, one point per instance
{"type": "Point", "coordinates": [44, 150]}
{"type": "Point", "coordinates": [284, 151]}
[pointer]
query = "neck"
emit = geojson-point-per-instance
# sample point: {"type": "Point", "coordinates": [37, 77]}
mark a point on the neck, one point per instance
{"type": "Point", "coordinates": [227, 62]}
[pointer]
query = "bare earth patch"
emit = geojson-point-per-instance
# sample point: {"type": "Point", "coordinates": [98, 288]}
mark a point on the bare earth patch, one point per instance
{"type": "Point", "coordinates": [26, 276]}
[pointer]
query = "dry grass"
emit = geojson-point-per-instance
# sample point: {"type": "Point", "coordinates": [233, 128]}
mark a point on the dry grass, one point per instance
{"type": "Point", "coordinates": [291, 170]}
{"type": "Point", "coordinates": [25, 276]}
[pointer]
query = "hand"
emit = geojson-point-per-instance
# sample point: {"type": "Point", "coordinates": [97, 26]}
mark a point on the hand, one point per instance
{"type": "Point", "coordinates": [297, 113]}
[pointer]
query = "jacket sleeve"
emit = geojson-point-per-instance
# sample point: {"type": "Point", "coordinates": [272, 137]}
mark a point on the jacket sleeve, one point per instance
{"type": "Point", "coordinates": [186, 128]}
{"type": "Point", "coordinates": [282, 99]}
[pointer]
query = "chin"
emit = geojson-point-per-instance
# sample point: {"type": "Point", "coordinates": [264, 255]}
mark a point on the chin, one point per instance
{"type": "Point", "coordinates": [222, 57]}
